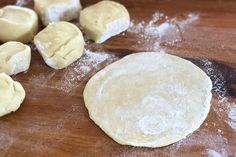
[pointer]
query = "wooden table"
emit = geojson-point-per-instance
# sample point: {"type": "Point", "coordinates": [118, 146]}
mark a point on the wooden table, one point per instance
{"type": "Point", "coordinates": [53, 120]}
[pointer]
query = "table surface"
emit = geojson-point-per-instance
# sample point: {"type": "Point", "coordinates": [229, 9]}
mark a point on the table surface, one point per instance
{"type": "Point", "coordinates": [53, 120]}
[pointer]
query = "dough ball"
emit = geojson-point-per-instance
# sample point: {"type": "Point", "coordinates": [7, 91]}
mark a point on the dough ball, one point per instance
{"type": "Point", "coordinates": [60, 44]}
{"type": "Point", "coordinates": [17, 24]}
{"type": "Point", "coordinates": [14, 57]}
{"type": "Point", "coordinates": [13, 96]}
{"type": "Point", "coordinates": [149, 99]}
{"type": "Point", "coordinates": [57, 10]}
{"type": "Point", "coordinates": [104, 20]}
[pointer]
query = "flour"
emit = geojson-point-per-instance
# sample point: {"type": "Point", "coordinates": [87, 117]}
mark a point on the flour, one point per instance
{"type": "Point", "coordinates": [88, 63]}
{"type": "Point", "coordinates": [218, 80]}
{"type": "Point", "coordinates": [67, 79]}
{"type": "Point", "coordinates": [150, 35]}
{"type": "Point", "coordinates": [22, 2]}
{"type": "Point", "coordinates": [6, 140]}
{"type": "Point", "coordinates": [232, 117]}
{"type": "Point", "coordinates": [151, 125]}
{"type": "Point", "coordinates": [224, 105]}
{"type": "Point", "coordinates": [213, 153]}
{"type": "Point", "coordinates": [155, 32]}
{"type": "Point", "coordinates": [190, 19]}
{"type": "Point", "coordinates": [147, 29]}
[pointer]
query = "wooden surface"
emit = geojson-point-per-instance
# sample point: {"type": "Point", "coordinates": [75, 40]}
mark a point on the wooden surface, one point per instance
{"type": "Point", "coordinates": [53, 120]}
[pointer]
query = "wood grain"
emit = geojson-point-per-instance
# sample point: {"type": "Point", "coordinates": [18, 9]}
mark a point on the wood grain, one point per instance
{"type": "Point", "coordinates": [53, 121]}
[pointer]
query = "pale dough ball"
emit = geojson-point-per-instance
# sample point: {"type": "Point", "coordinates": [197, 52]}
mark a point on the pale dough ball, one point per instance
{"type": "Point", "coordinates": [149, 99]}
{"type": "Point", "coordinates": [104, 20]}
{"type": "Point", "coordinates": [17, 24]}
{"type": "Point", "coordinates": [14, 57]}
{"type": "Point", "coordinates": [13, 96]}
{"type": "Point", "coordinates": [60, 44]}
{"type": "Point", "coordinates": [57, 10]}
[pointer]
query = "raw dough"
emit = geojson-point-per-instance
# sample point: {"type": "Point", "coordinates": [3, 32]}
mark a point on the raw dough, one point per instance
{"type": "Point", "coordinates": [149, 99]}
{"type": "Point", "coordinates": [57, 10]}
{"type": "Point", "coordinates": [13, 96]}
{"type": "Point", "coordinates": [60, 44]}
{"type": "Point", "coordinates": [14, 57]}
{"type": "Point", "coordinates": [17, 24]}
{"type": "Point", "coordinates": [104, 20]}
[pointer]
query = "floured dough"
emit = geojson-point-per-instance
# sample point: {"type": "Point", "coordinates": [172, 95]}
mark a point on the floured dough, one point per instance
{"type": "Point", "coordinates": [104, 20]}
{"type": "Point", "coordinates": [13, 96]}
{"type": "Point", "coordinates": [60, 44]}
{"type": "Point", "coordinates": [17, 24]}
{"type": "Point", "coordinates": [57, 10]}
{"type": "Point", "coordinates": [149, 99]}
{"type": "Point", "coordinates": [14, 57]}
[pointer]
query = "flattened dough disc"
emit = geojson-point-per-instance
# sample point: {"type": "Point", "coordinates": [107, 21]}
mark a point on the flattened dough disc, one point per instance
{"type": "Point", "coordinates": [149, 99]}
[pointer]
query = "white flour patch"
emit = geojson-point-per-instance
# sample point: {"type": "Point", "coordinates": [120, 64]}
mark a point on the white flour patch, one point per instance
{"type": "Point", "coordinates": [89, 62]}
{"type": "Point", "coordinates": [151, 125]}
{"type": "Point", "coordinates": [213, 153]}
{"type": "Point", "coordinates": [232, 117]}
{"type": "Point", "coordinates": [22, 2]}
{"type": "Point", "coordinates": [190, 19]}
{"type": "Point", "coordinates": [147, 29]}
{"type": "Point", "coordinates": [151, 34]}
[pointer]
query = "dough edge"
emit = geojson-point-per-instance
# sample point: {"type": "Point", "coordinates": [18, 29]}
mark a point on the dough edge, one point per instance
{"type": "Point", "coordinates": [18, 97]}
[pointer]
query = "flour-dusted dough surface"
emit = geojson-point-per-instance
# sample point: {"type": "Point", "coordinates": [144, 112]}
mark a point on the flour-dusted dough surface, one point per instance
{"type": "Point", "coordinates": [104, 20]}
{"type": "Point", "coordinates": [60, 44]}
{"type": "Point", "coordinates": [57, 10]}
{"type": "Point", "coordinates": [17, 24]}
{"type": "Point", "coordinates": [149, 99]}
{"type": "Point", "coordinates": [13, 96]}
{"type": "Point", "coordinates": [15, 57]}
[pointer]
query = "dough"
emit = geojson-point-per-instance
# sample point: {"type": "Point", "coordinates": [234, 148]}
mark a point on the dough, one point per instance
{"type": "Point", "coordinates": [60, 44]}
{"type": "Point", "coordinates": [14, 57]}
{"type": "Point", "coordinates": [104, 20]}
{"type": "Point", "coordinates": [57, 10]}
{"type": "Point", "coordinates": [13, 96]}
{"type": "Point", "coordinates": [149, 99]}
{"type": "Point", "coordinates": [17, 24]}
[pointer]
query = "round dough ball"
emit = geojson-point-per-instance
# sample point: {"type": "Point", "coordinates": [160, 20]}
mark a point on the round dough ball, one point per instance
{"type": "Point", "coordinates": [60, 44]}
{"type": "Point", "coordinates": [57, 10]}
{"type": "Point", "coordinates": [14, 57]}
{"type": "Point", "coordinates": [17, 24]}
{"type": "Point", "coordinates": [13, 96]}
{"type": "Point", "coordinates": [149, 99]}
{"type": "Point", "coordinates": [104, 20]}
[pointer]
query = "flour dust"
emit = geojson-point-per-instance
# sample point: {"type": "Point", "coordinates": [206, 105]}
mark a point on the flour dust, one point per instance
{"type": "Point", "coordinates": [22, 2]}
{"type": "Point", "coordinates": [151, 34]}
{"type": "Point", "coordinates": [89, 62]}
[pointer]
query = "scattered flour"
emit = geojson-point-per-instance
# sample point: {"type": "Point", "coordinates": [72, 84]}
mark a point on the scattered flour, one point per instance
{"type": "Point", "coordinates": [218, 80]}
{"type": "Point", "coordinates": [212, 136]}
{"type": "Point", "coordinates": [69, 78]}
{"type": "Point", "coordinates": [150, 36]}
{"type": "Point", "coordinates": [224, 105]}
{"type": "Point", "coordinates": [213, 153]}
{"type": "Point", "coordinates": [22, 2]}
{"type": "Point", "coordinates": [155, 32]}
{"type": "Point", "coordinates": [6, 140]}
{"type": "Point", "coordinates": [88, 63]}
